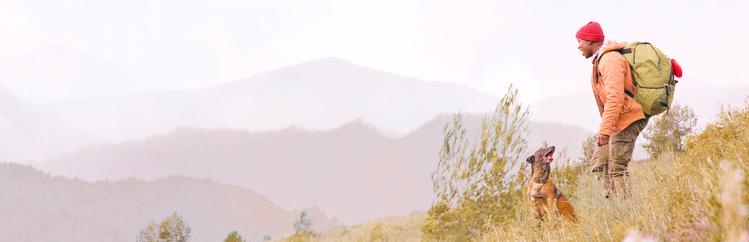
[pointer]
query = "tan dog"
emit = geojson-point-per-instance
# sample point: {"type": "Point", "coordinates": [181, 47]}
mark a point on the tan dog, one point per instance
{"type": "Point", "coordinates": [541, 189]}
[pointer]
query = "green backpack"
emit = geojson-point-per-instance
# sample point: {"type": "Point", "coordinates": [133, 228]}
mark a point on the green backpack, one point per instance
{"type": "Point", "coordinates": [652, 76]}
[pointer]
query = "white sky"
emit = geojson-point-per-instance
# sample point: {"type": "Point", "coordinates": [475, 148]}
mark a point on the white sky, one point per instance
{"type": "Point", "coordinates": [481, 44]}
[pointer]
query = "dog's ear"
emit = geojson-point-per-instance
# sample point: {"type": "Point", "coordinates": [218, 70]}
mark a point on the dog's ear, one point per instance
{"type": "Point", "coordinates": [529, 159]}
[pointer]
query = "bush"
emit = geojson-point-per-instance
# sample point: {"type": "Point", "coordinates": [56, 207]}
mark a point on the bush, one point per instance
{"type": "Point", "coordinates": [666, 132]}
{"type": "Point", "coordinates": [302, 229]}
{"type": "Point", "coordinates": [234, 237]}
{"type": "Point", "coordinates": [170, 229]}
{"type": "Point", "coordinates": [475, 181]}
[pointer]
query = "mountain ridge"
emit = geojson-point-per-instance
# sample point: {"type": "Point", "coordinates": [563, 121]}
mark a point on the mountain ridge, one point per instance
{"type": "Point", "coordinates": [76, 210]}
{"type": "Point", "coordinates": [295, 167]}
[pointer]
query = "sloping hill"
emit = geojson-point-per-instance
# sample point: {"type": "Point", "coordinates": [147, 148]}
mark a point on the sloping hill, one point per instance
{"type": "Point", "coordinates": [38, 207]}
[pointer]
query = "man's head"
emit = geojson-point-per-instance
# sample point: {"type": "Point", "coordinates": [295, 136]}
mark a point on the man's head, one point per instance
{"type": "Point", "coordinates": [589, 39]}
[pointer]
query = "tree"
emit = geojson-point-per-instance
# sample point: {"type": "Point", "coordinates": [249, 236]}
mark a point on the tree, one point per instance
{"type": "Point", "coordinates": [478, 183]}
{"type": "Point", "coordinates": [234, 237]}
{"type": "Point", "coordinates": [589, 145]}
{"type": "Point", "coordinates": [667, 132]}
{"type": "Point", "coordinates": [303, 223]}
{"type": "Point", "coordinates": [148, 234]}
{"type": "Point", "coordinates": [170, 229]}
{"type": "Point", "coordinates": [302, 228]}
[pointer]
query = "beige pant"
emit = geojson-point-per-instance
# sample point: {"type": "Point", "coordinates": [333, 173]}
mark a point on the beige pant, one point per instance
{"type": "Point", "coordinates": [610, 161]}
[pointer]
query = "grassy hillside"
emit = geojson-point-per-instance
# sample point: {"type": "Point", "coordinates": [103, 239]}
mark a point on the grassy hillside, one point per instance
{"type": "Point", "coordinates": [402, 228]}
{"type": "Point", "coordinates": [699, 195]}
{"type": "Point", "coordinates": [406, 228]}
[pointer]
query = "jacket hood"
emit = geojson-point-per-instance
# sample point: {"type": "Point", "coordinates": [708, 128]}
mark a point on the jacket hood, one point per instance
{"type": "Point", "coordinates": [607, 46]}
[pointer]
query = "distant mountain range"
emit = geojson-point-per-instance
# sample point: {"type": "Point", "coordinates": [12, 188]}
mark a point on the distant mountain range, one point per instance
{"type": "Point", "coordinates": [38, 207]}
{"type": "Point", "coordinates": [29, 131]}
{"type": "Point", "coordinates": [61, 72]}
{"type": "Point", "coordinates": [353, 171]}
{"type": "Point", "coordinates": [320, 94]}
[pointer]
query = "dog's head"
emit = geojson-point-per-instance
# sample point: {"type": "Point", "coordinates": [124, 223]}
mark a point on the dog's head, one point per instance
{"type": "Point", "coordinates": [540, 163]}
{"type": "Point", "coordinates": [542, 156]}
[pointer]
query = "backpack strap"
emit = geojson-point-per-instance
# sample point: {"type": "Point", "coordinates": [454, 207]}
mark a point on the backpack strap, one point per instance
{"type": "Point", "coordinates": [621, 51]}
{"type": "Point", "coordinates": [598, 61]}
{"type": "Point", "coordinates": [629, 93]}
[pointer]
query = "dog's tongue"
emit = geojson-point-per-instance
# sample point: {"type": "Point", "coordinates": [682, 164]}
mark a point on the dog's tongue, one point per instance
{"type": "Point", "coordinates": [550, 155]}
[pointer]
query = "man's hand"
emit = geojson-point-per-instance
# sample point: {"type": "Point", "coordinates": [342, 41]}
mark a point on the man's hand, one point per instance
{"type": "Point", "coordinates": [603, 139]}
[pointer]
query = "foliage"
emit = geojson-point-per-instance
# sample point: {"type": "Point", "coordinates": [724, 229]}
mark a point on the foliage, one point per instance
{"type": "Point", "coordinates": [234, 237]}
{"type": "Point", "coordinates": [302, 228]}
{"type": "Point", "coordinates": [303, 224]}
{"type": "Point", "coordinates": [666, 133]}
{"type": "Point", "coordinates": [402, 229]}
{"type": "Point", "coordinates": [474, 181]}
{"type": "Point", "coordinates": [589, 146]}
{"type": "Point", "coordinates": [170, 229]}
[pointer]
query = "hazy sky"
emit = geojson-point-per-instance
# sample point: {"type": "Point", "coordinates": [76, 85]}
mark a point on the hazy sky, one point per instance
{"type": "Point", "coordinates": [481, 44]}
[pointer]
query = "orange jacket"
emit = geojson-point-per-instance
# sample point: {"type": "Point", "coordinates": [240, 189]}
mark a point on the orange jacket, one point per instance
{"type": "Point", "coordinates": [616, 108]}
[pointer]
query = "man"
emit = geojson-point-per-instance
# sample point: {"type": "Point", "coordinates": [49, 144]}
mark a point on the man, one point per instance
{"type": "Point", "coordinates": [622, 119]}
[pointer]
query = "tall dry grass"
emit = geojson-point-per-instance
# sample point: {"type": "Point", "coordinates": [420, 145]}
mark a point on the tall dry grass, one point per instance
{"type": "Point", "coordinates": [698, 195]}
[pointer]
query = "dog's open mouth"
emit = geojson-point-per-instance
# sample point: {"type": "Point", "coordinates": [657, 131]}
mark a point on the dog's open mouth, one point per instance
{"type": "Point", "coordinates": [550, 155]}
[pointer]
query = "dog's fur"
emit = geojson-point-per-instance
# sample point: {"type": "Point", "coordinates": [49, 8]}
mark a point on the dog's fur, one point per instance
{"type": "Point", "coordinates": [541, 189]}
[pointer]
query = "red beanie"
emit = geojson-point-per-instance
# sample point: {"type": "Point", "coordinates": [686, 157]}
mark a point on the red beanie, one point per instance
{"type": "Point", "coordinates": [590, 32]}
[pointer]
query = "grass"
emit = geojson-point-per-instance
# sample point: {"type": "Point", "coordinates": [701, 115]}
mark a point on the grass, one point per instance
{"type": "Point", "coordinates": [698, 195]}
{"type": "Point", "coordinates": [667, 202]}
{"type": "Point", "coordinates": [406, 228]}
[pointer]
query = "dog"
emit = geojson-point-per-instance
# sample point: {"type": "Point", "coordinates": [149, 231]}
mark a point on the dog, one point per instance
{"type": "Point", "coordinates": [542, 192]}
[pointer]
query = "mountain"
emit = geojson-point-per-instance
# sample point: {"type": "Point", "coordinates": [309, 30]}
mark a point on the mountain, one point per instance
{"type": "Point", "coordinates": [352, 172]}
{"type": "Point", "coordinates": [12, 147]}
{"type": "Point", "coordinates": [28, 131]}
{"type": "Point", "coordinates": [39, 207]}
{"type": "Point", "coordinates": [62, 72]}
{"type": "Point", "coordinates": [320, 94]}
